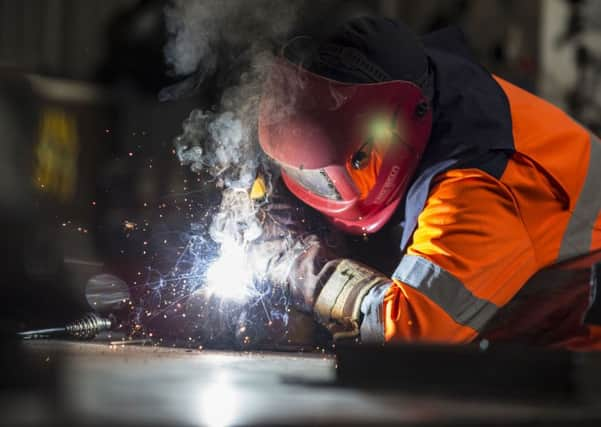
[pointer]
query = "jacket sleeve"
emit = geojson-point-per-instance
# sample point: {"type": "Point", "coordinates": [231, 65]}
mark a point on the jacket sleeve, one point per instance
{"type": "Point", "coordinates": [469, 256]}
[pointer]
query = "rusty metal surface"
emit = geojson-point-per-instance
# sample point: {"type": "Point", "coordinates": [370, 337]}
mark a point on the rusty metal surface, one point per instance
{"type": "Point", "coordinates": [142, 385]}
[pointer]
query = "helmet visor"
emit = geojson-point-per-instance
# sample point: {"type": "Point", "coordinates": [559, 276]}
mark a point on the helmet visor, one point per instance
{"type": "Point", "coordinates": [316, 181]}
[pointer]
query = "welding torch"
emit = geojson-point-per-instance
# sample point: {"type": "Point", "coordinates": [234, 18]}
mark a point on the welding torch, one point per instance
{"type": "Point", "coordinates": [106, 295]}
{"type": "Point", "coordinates": [85, 328]}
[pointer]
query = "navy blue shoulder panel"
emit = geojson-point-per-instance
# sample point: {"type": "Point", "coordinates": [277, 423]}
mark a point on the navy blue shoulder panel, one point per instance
{"type": "Point", "coordinates": [472, 122]}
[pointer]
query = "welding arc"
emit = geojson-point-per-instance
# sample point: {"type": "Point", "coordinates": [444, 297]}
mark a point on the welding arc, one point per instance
{"type": "Point", "coordinates": [85, 328]}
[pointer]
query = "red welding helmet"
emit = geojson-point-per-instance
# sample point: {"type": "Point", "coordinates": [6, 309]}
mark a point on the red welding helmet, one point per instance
{"type": "Point", "coordinates": [347, 149]}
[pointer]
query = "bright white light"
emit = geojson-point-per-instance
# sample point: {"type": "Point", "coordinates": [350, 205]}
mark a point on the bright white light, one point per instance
{"type": "Point", "coordinates": [230, 276]}
{"type": "Point", "coordinates": [219, 403]}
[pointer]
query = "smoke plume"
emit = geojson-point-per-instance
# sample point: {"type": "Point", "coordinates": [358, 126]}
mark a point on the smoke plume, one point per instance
{"type": "Point", "coordinates": [235, 39]}
{"type": "Point", "coordinates": [205, 32]}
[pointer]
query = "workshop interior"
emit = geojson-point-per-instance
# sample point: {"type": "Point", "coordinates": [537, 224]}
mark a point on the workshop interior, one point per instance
{"type": "Point", "coordinates": [130, 180]}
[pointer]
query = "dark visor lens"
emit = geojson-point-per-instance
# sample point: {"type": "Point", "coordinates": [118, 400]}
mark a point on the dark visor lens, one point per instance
{"type": "Point", "coordinates": [314, 180]}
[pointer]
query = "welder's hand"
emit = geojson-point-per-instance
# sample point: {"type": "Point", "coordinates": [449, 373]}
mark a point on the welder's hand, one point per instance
{"type": "Point", "coordinates": [294, 263]}
{"type": "Point", "coordinates": [289, 253]}
{"type": "Point", "coordinates": [338, 303]}
{"type": "Point", "coordinates": [331, 289]}
{"type": "Point", "coordinates": [311, 267]}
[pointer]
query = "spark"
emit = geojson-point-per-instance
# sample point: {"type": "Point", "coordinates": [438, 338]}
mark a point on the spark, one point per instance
{"type": "Point", "coordinates": [129, 225]}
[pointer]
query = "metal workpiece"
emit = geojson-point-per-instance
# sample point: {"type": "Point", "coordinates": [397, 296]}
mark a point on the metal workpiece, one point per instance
{"type": "Point", "coordinates": [123, 385]}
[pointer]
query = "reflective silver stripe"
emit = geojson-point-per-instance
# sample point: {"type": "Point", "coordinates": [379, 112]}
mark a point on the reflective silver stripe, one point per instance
{"type": "Point", "coordinates": [577, 237]}
{"type": "Point", "coordinates": [446, 291]}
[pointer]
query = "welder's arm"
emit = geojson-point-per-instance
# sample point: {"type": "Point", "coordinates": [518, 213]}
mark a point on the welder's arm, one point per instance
{"type": "Point", "coordinates": [469, 256]}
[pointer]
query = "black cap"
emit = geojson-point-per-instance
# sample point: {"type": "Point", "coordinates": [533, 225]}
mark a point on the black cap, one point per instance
{"type": "Point", "coordinates": [366, 50]}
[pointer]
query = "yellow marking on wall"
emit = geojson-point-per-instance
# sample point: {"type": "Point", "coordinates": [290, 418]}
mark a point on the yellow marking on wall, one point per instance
{"type": "Point", "coordinates": [56, 154]}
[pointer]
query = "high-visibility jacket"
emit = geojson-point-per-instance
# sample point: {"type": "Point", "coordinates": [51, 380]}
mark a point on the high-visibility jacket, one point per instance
{"type": "Point", "coordinates": [502, 222]}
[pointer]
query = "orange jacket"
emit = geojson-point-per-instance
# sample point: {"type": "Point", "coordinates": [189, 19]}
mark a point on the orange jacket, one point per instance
{"type": "Point", "coordinates": [485, 257]}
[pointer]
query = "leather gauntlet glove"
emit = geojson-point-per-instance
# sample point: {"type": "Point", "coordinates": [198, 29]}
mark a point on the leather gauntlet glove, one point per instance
{"type": "Point", "coordinates": [338, 304]}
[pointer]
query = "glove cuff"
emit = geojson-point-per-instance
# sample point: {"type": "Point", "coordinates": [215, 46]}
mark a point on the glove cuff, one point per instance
{"type": "Point", "coordinates": [338, 305]}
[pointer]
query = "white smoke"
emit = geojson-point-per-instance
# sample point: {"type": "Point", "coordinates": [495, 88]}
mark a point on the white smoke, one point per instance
{"type": "Point", "coordinates": [194, 32]}
{"type": "Point", "coordinates": [205, 32]}
{"type": "Point", "coordinates": [220, 144]}
{"type": "Point", "coordinates": [237, 38]}
{"type": "Point", "coordinates": [205, 36]}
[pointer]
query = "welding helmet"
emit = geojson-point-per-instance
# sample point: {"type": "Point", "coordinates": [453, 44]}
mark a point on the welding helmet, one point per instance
{"type": "Point", "coordinates": [348, 120]}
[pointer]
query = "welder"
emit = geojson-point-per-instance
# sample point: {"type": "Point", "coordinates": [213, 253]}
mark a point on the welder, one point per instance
{"type": "Point", "coordinates": [493, 186]}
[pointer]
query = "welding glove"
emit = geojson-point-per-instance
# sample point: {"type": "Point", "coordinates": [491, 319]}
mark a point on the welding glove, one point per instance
{"type": "Point", "coordinates": [332, 289]}
{"type": "Point", "coordinates": [291, 262]}
{"type": "Point", "coordinates": [289, 252]}
{"type": "Point", "coordinates": [342, 286]}
{"type": "Point", "coordinates": [320, 280]}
